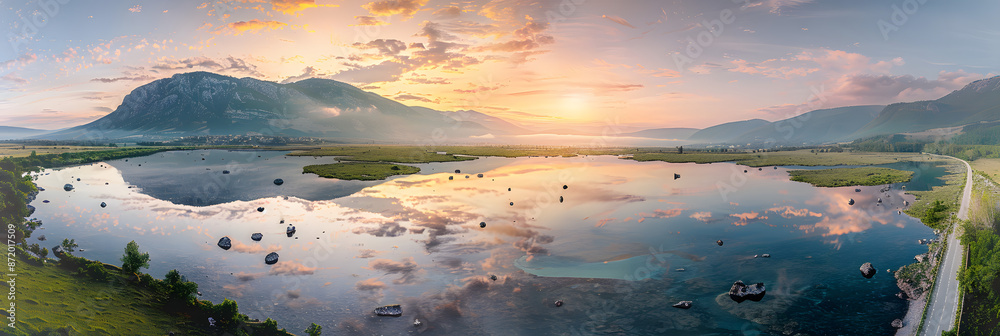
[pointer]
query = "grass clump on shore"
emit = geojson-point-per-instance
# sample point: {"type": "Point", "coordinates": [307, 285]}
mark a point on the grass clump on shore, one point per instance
{"type": "Point", "coordinates": [364, 171]}
{"type": "Point", "coordinates": [842, 177]}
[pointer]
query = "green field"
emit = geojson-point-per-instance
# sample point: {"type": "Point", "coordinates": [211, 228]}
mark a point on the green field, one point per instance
{"type": "Point", "coordinates": [842, 177]}
{"type": "Point", "coordinates": [364, 171]}
{"type": "Point", "coordinates": [802, 157]}
{"type": "Point", "coordinates": [54, 300]}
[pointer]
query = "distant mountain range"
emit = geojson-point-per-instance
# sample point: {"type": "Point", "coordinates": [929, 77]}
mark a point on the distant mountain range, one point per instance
{"type": "Point", "coordinates": [203, 103]}
{"type": "Point", "coordinates": [12, 133]}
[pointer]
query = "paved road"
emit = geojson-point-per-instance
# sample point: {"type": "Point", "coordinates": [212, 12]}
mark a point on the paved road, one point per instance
{"type": "Point", "coordinates": [944, 301]}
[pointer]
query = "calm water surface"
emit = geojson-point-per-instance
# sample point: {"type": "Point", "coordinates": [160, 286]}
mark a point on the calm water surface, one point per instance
{"type": "Point", "coordinates": [612, 250]}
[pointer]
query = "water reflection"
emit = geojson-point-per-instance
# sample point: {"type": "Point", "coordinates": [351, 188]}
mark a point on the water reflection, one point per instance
{"type": "Point", "coordinates": [625, 238]}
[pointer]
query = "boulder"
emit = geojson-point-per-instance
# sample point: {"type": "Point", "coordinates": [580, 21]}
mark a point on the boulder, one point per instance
{"type": "Point", "coordinates": [257, 236]}
{"type": "Point", "coordinates": [78, 179]}
{"type": "Point", "coordinates": [225, 172]}
{"type": "Point", "coordinates": [677, 176]}
{"type": "Point", "coordinates": [851, 202]}
{"type": "Point", "coordinates": [719, 242]}
{"type": "Point", "coordinates": [493, 277]}
{"type": "Point", "coordinates": [31, 209]}
{"type": "Point", "coordinates": [511, 203]}
{"type": "Point", "coordinates": [417, 323]}
{"type": "Point", "coordinates": [741, 292]}
{"type": "Point", "coordinates": [390, 310]}
{"type": "Point", "coordinates": [480, 175]}
{"type": "Point", "coordinates": [225, 243]}
{"type": "Point", "coordinates": [68, 187]}
{"type": "Point", "coordinates": [765, 255]}
{"type": "Point", "coordinates": [458, 171]}
{"type": "Point", "coordinates": [450, 178]}
{"type": "Point", "coordinates": [558, 303]}
{"type": "Point", "coordinates": [867, 270]}
{"type": "Point", "coordinates": [271, 258]}
{"type": "Point", "coordinates": [279, 181]}
{"type": "Point", "coordinates": [565, 187]}
{"type": "Point", "coordinates": [290, 230]}
{"type": "Point", "coordinates": [897, 323]}
{"type": "Point", "coordinates": [260, 209]}
{"type": "Point", "coordinates": [104, 205]}
{"type": "Point", "coordinates": [45, 201]}
{"type": "Point", "coordinates": [560, 199]}
{"type": "Point", "coordinates": [683, 305]}
{"type": "Point", "coordinates": [482, 224]}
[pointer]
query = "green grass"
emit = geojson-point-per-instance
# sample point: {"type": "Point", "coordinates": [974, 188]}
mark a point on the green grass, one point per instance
{"type": "Point", "coordinates": [950, 194]}
{"type": "Point", "coordinates": [786, 158]}
{"type": "Point", "coordinates": [842, 177]}
{"type": "Point", "coordinates": [51, 299]}
{"type": "Point", "coordinates": [364, 171]}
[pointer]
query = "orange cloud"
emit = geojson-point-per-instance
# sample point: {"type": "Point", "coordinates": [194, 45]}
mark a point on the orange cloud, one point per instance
{"type": "Point", "coordinates": [703, 216]}
{"type": "Point", "coordinates": [365, 20]}
{"type": "Point", "coordinates": [291, 268]}
{"type": "Point", "coordinates": [293, 6]}
{"type": "Point", "coordinates": [746, 217]}
{"type": "Point", "coordinates": [240, 27]}
{"type": "Point", "coordinates": [406, 8]}
{"type": "Point", "coordinates": [789, 212]}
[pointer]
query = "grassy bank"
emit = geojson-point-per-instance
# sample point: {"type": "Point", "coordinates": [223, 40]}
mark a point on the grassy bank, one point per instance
{"type": "Point", "coordinates": [840, 177]}
{"type": "Point", "coordinates": [364, 171]}
{"type": "Point", "coordinates": [990, 167]}
{"type": "Point", "coordinates": [949, 195]}
{"type": "Point", "coordinates": [802, 157]}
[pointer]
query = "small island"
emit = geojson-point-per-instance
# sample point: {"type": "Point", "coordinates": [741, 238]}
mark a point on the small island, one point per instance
{"type": "Point", "coordinates": [363, 171]}
{"type": "Point", "coordinates": [841, 177]}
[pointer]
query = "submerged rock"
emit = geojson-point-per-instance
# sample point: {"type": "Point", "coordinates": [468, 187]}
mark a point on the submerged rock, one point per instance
{"type": "Point", "coordinates": [867, 270]}
{"type": "Point", "coordinates": [390, 310]}
{"type": "Point", "coordinates": [683, 305]}
{"type": "Point", "coordinates": [225, 243]}
{"type": "Point", "coordinates": [257, 236]}
{"type": "Point", "coordinates": [279, 181]}
{"type": "Point", "coordinates": [897, 323]}
{"type": "Point", "coordinates": [493, 277]}
{"type": "Point", "coordinates": [558, 303]}
{"type": "Point", "coordinates": [271, 258]}
{"type": "Point", "coordinates": [741, 292]}
{"type": "Point", "coordinates": [68, 187]}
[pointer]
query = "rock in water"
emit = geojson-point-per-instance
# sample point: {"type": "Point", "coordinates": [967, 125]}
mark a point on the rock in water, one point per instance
{"type": "Point", "coordinates": [683, 305]}
{"type": "Point", "coordinates": [482, 224]}
{"type": "Point", "coordinates": [897, 323]}
{"type": "Point", "coordinates": [104, 205]}
{"type": "Point", "coordinates": [851, 202]}
{"type": "Point", "coordinates": [451, 178]}
{"type": "Point", "coordinates": [480, 175]}
{"type": "Point", "coordinates": [279, 181]}
{"type": "Point", "coordinates": [271, 258]}
{"type": "Point", "coordinates": [257, 236]}
{"type": "Point", "coordinates": [260, 209]}
{"type": "Point", "coordinates": [741, 292]}
{"type": "Point", "coordinates": [417, 323]}
{"type": "Point", "coordinates": [225, 172]}
{"type": "Point", "coordinates": [565, 187]}
{"type": "Point", "coordinates": [559, 303]}
{"type": "Point", "coordinates": [493, 277]}
{"type": "Point", "coordinates": [458, 171]}
{"type": "Point", "coordinates": [390, 310]}
{"type": "Point", "coordinates": [677, 176]}
{"type": "Point", "coordinates": [68, 187]}
{"type": "Point", "coordinates": [719, 242]}
{"type": "Point", "coordinates": [225, 243]}
{"type": "Point", "coordinates": [560, 199]}
{"type": "Point", "coordinates": [867, 270]}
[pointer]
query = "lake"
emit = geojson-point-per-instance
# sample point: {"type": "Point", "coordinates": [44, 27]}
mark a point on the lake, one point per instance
{"type": "Point", "coordinates": [621, 243]}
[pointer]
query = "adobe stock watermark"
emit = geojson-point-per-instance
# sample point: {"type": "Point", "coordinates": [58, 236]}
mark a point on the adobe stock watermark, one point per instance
{"type": "Point", "coordinates": [30, 24]}
{"type": "Point", "coordinates": [900, 16]}
{"type": "Point", "coordinates": [711, 30]}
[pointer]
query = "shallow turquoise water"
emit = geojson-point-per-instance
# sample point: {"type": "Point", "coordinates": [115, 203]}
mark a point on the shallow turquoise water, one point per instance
{"type": "Point", "coordinates": [610, 250]}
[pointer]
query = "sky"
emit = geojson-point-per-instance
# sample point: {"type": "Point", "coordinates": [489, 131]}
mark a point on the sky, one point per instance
{"type": "Point", "coordinates": [643, 63]}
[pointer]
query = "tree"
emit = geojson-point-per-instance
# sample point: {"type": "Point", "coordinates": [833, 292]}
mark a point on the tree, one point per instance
{"type": "Point", "coordinates": [69, 245]}
{"type": "Point", "coordinates": [178, 287]}
{"type": "Point", "coordinates": [133, 260]}
{"type": "Point", "coordinates": [314, 330]}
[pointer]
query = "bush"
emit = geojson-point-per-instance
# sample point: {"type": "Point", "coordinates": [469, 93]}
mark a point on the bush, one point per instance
{"type": "Point", "coordinates": [179, 289]}
{"type": "Point", "coordinates": [314, 330]}
{"type": "Point", "coordinates": [96, 270]}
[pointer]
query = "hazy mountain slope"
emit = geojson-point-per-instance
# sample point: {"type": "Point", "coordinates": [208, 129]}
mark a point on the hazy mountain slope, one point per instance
{"type": "Point", "coordinates": [11, 132]}
{"type": "Point", "coordinates": [814, 127]}
{"type": "Point", "coordinates": [728, 131]}
{"type": "Point", "coordinates": [664, 133]}
{"type": "Point", "coordinates": [977, 101]}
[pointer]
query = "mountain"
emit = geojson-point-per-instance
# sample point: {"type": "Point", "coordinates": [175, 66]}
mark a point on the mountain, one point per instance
{"type": "Point", "coordinates": [11, 132]}
{"type": "Point", "coordinates": [723, 133]}
{"type": "Point", "coordinates": [977, 101]}
{"type": "Point", "coordinates": [203, 103]}
{"type": "Point", "coordinates": [495, 124]}
{"type": "Point", "coordinates": [664, 133]}
{"type": "Point", "coordinates": [814, 127]}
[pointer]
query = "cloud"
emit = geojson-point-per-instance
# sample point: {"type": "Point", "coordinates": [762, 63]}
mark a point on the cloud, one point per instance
{"type": "Point", "coordinates": [618, 20]}
{"type": "Point", "coordinates": [405, 8]}
{"type": "Point", "coordinates": [253, 26]}
{"type": "Point", "coordinates": [746, 217]}
{"type": "Point", "coordinates": [436, 80]}
{"type": "Point", "coordinates": [390, 229]}
{"type": "Point", "coordinates": [187, 63]}
{"type": "Point", "coordinates": [407, 269]}
{"type": "Point", "coordinates": [364, 20]}
{"type": "Point", "coordinates": [290, 268]}
{"type": "Point", "coordinates": [135, 9]}
{"type": "Point", "coordinates": [412, 97]}
{"type": "Point", "coordinates": [308, 72]}
{"type": "Point", "coordinates": [22, 60]}
{"type": "Point", "coordinates": [11, 77]}
{"type": "Point", "coordinates": [703, 216]}
{"type": "Point", "coordinates": [448, 12]}
{"type": "Point", "coordinates": [369, 285]}
{"type": "Point", "coordinates": [131, 79]}
{"type": "Point", "coordinates": [385, 47]}
{"type": "Point", "coordinates": [292, 7]}
{"type": "Point", "coordinates": [368, 253]}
